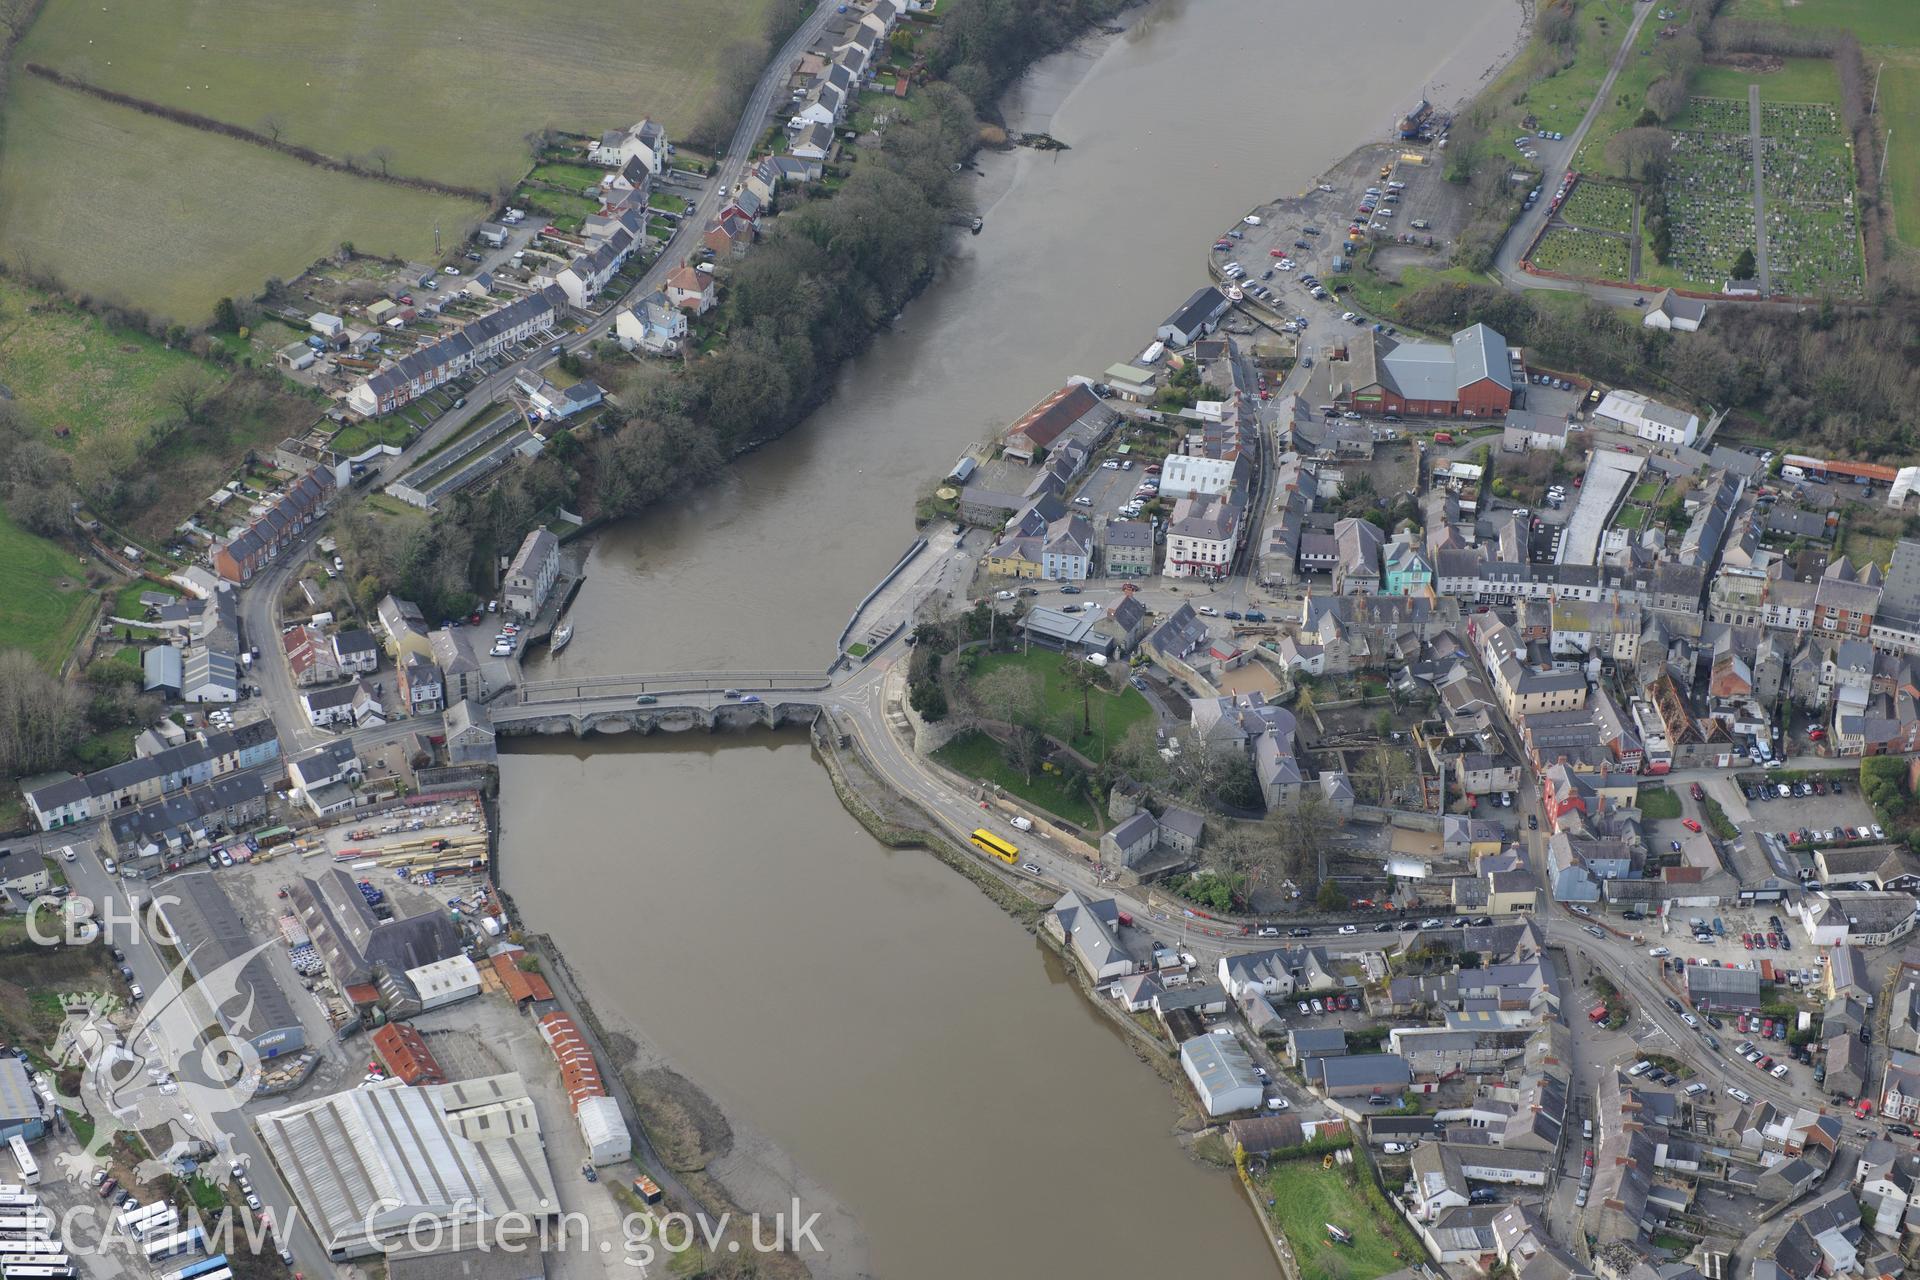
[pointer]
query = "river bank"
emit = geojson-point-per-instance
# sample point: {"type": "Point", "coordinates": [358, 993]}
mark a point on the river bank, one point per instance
{"type": "Point", "coordinates": [935, 1088]}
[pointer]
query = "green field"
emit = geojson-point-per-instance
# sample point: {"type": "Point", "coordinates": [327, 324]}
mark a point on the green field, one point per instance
{"type": "Point", "coordinates": [1900, 100]}
{"type": "Point", "coordinates": [38, 613]}
{"type": "Point", "coordinates": [215, 216]}
{"type": "Point", "coordinates": [975, 755]}
{"type": "Point", "coordinates": [169, 218]}
{"type": "Point", "coordinates": [1873, 21]}
{"type": "Point", "coordinates": [1798, 80]}
{"type": "Point", "coordinates": [1112, 714]}
{"type": "Point", "coordinates": [1629, 93]}
{"type": "Point", "coordinates": [1559, 100]}
{"type": "Point", "coordinates": [1306, 1197]}
{"type": "Point", "coordinates": [67, 369]}
{"type": "Point", "coordinates": [450, 88]}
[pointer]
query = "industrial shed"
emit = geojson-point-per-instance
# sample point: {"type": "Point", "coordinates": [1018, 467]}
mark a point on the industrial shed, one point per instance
{"type": "Point", "coordinates": [444, 982]}
{"type": "Point", "coordinates": [211, 936]}
{"type": "Point", "coordinates": [604, 1130]}
{"type": "Point", "coordinates": [365, 1165]}
{"type": "Point", "coordinates": [1221, 1073]}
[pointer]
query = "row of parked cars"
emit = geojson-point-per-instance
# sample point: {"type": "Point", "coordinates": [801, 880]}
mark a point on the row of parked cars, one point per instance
{"type": "Point", "coordinates": [1790, 790]}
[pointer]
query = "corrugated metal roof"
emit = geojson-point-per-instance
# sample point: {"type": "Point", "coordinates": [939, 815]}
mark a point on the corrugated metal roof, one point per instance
{"type": "Point", "coordinates": [363, 1163]}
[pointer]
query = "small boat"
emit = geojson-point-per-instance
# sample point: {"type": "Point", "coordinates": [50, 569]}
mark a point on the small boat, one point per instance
{"type": "Point", "coordinates": [561, 636]}
{"type": "Point", "coordinates": [977, 224]}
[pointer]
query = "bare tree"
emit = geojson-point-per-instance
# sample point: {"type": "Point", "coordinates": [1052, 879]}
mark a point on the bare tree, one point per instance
{"type": "Point", "coordinates": [1012, 696]}
{"type": "Point", "coordinates": [1680, 55]}
{"type": "Point", "coordinates": [188, 391]}
{"type": "Point", "coordinates": [1387, 769]}
{"type": "Point", "coordinates": [273, 125]}
{"type": "Point", "coordinates": [1306, 707]}
{"type": "Point", "coordinates": [383, 156]}
{"type": "Point", "coordinates": [1639, 154]}
{"type": "Point", "coordinates": [41, 718]}
{"type": "Point", "coordinates": [1667, 98]}
{"type": "Point", "coordinates": [1303, 829]}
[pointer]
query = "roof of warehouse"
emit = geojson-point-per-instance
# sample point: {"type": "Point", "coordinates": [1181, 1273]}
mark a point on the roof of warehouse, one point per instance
{"type": "Point", "coordinates": [210, 933]}
{"type": "Point", "coordinates": [368, 1162]}
{"type": "Point", "coordinates": [17, 1099]}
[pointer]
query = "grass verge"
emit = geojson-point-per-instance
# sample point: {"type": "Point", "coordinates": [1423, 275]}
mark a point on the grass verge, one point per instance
{"type": "Point", "coordinates": [975, 755]}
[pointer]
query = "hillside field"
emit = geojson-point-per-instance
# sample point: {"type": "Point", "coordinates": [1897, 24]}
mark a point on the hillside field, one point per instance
{"type": "Point", "coordinates": [37, 612]}
{"type": "Point", "coordinates": [451, 87]}
{"type": "Point", "coordinates": [168, 218]}
{"type": "Point", "coordinates": [181, 217]}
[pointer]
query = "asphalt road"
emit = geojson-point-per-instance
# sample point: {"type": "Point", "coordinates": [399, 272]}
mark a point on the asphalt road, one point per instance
{"type": "Point", "coordinates": [1556, 158]}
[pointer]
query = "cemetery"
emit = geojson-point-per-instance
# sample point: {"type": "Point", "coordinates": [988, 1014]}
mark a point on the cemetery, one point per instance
{"type": "Point", "coordinates": [1590, 254]}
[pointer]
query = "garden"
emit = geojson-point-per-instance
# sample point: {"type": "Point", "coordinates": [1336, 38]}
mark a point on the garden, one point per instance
{"type": "Point", "coordinates": [1304, 1198]}
{"type": "Point", "coordinates": [975, 755]}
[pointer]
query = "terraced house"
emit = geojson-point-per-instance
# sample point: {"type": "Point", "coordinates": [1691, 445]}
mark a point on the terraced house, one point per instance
{"type": "Point", "coordinates": [148, 778]}
{"type": "Point", "coordinates": [241, 556]}
{"type": "Point", "coordinates": [438, 363]}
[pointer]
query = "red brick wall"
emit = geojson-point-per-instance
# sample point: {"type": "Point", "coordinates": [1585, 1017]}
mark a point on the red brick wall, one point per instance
{"type": "Point", "coordinates": [1486, 398]}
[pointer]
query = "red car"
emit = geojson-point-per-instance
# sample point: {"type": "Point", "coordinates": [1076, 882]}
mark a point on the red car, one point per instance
{"type": "Point", "coordinates": [1690, 824]}
{"type": "Point", "coordinates": [1816, 734]}
{"type": "Point", "coordinates": [1743, 1021]}
{"type": "Point", "coordinates": [1864, 1109]}
{"type": "Point", "coordinates": [1696, 792]}
{"type": "Point", "coordinates": [1276, 253]}
{"type": "Point", "coordinates": [1589, 1159]}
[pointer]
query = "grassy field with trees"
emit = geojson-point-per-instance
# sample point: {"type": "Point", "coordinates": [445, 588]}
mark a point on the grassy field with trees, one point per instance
{"type": "Point", "coordinates": [448, 90]}
{"type": "Point", "coordinates": [44, 599]}
{"type": "Point", "coordinates": [432, 89]}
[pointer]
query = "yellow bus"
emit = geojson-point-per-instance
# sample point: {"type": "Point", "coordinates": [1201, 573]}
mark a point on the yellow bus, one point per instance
{"type": "Point", "coordinates": [988, 842]}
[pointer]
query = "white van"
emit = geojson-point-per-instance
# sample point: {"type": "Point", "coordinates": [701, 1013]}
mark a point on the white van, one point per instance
{"type": "Point", "coordinates": [1021, 823]}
